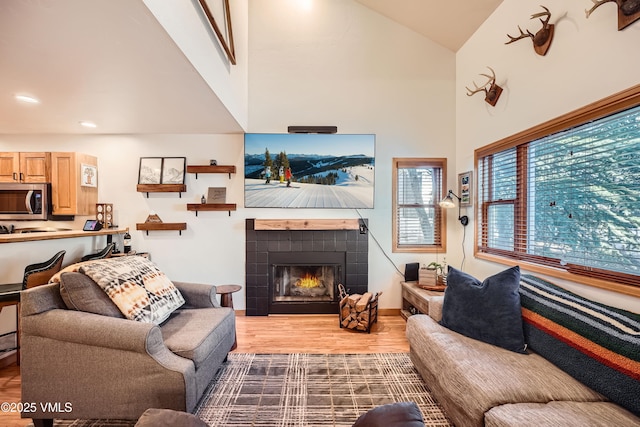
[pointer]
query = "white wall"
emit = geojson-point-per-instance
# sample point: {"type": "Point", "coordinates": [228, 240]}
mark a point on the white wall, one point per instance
{"type": "Point", "coordinates": [339, 63]}
{"type": "Point", "coordinates": [589, 59]}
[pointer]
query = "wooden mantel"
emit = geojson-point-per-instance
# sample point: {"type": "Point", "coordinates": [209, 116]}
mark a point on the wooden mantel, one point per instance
{"type": "Point", "coordinates": [306, 224]}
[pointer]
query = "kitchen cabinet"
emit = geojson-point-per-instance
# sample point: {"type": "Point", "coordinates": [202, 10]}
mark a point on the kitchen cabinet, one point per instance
{"type": "Point", "coordinates": [69, 194]}
{"type": "Point", "coordinates": [25, 167]}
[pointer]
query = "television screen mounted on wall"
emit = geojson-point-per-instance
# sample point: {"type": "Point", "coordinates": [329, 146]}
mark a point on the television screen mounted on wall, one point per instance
{"type": "Point", "coordinates": [332, 171]}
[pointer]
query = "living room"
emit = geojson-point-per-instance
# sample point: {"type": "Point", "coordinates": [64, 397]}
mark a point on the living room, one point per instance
{"type": "Point", "coordinates": [345, 65]}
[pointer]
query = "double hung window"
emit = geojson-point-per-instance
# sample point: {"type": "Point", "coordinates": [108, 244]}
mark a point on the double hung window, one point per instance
{"type": "Point", "coordinates": [569, 199]}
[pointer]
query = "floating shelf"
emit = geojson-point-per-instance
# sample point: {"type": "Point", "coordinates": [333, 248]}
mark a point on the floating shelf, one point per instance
{"type": "Point", "coordinates": [211, 169]}
{"type": "Point", "coordinates": [161, 188]}
{"type": "Point", "coordinates": [211, 207]}
{"type": "Point", "coordinates": [161, 226]}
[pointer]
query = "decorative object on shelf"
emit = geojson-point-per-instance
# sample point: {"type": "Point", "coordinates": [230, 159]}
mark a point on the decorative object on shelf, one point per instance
{"type": "Point", "coordinates": [213, 162]}
{"type": "Point", "coordinates": [203, 200]}
{"type": "Point", "coordinates": [153, 218]}
{"type": "Point", "coordinates": [448, 203]}
{"type": "Point", "coordinates": [104, 214]}
{"type": "Point", "coordinates": [433, 277]}
{"type": "Point", "coordinates": [221, 16]}
{"type": "Point", "coordinates": [162, 170]}
{"type": "Point", "coordinates": [542, 39]}
{"type": "Point", "coordinates": [628, 11]}
{"type": "Point", "coordinates": [491, 90]}
{"type": "Point", "coordinates": [465, 182]}
{"type": "Point", "coordinates": [88, 175]}
{"type": "Point", "coordinates": [217, 195]}
{"type": "Point", "coordinates": [126, 241]}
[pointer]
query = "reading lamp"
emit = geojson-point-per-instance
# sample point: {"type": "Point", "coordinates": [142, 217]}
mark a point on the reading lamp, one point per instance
{"type": "Point", "coordinates": [448, 203]}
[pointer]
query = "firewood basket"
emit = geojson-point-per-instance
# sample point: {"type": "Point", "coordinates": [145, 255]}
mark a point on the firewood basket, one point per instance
{"type": "Point", "coordinates": [358, 312]}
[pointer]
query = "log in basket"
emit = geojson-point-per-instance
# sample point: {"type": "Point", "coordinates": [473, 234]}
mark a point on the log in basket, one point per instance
{"type": "Point", "coordinates": [358, 312]}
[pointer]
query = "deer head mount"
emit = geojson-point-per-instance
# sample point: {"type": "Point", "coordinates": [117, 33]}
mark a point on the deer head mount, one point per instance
{"type": "Point", "coordinates": [541, 39]}
{"type": "Point", "coordinates": [491, 90]}
{"type": "Point", "coordinates": [628, 11]}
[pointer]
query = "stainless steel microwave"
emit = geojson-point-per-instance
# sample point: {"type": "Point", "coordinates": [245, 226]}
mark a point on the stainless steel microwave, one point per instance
{"type": "Point", "coordinates": [25, 201]}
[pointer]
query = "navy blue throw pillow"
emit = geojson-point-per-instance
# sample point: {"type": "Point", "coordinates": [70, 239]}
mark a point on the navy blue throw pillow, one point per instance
{"type": "Point", "coordinates": [488, 311]}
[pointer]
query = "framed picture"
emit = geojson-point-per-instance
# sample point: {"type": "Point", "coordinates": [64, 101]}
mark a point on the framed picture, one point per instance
{"type": "Point", "coordinates": [150, 170]}
{"type": "Point", "coordinates": [88, 175]}
{"type": "Point", "coordinates": [465, 188]}
{"type": "Point", "coordinates": [219, 16]}
{"type": "Point", "coordinates": [173, 169]}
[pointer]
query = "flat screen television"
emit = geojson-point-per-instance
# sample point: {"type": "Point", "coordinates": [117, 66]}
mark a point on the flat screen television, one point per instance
{"type": "Point", "coordinates": [330, 171]}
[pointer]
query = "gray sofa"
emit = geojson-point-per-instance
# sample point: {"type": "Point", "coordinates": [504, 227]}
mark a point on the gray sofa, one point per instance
{"type": "Point", "coordinates": [81, 365]}
{"type": "Point", "coordinates": [479, 384]}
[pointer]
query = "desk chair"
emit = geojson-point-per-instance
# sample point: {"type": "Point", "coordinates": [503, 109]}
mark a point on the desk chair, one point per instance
{"type": "Point", "coordinates": [34, 275]}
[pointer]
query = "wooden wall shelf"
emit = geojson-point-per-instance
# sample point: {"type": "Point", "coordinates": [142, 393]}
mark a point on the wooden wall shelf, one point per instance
{"type": "Point", "coordinates": [162, 226]}
{"type": "Point", "coordinates": [161, 188]}
{"type": "Point", "coordinates": [211, 169]}
{"type": "Point", "coordinates": [211, 207]}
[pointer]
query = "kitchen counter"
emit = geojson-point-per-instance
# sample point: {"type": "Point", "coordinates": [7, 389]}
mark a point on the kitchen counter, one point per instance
{"type": "Point", "coordinates": [52, 235]}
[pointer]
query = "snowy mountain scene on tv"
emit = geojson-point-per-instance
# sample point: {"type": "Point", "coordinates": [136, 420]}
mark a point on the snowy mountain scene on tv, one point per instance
{"type": "Point", "coordinates": [309, 170]}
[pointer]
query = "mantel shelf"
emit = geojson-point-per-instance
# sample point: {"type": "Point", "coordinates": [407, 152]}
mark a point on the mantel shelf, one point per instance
{"type": "Point", "coordinates": [161, 188]}
{"type": "Point", "coordinates": [211, 169]}
{"type": "Point", "coordinates": [211, 207]}
{"type": "Point", "coordinates": [161, 226]}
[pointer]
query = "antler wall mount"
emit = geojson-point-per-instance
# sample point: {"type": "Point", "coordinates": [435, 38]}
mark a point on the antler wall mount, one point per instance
{"type": "Point", "coordinates": [628, 11]}
{"type": "Point", "coordinates": [542, 39]}
{"type": "Point", "coordinates": [491, 90]}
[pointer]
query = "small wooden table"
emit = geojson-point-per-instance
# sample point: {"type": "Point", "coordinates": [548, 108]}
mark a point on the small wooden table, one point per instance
{"type": "Point", "coordinates": [226, 300]}
{"type": "Point", "coordinates": [225, 292]}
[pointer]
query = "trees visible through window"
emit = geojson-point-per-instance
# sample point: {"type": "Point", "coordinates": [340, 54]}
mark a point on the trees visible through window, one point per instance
{"type": "Point", "coordinates": [418, 224]}
{"type": "Point", "coordinates": [568, 200]}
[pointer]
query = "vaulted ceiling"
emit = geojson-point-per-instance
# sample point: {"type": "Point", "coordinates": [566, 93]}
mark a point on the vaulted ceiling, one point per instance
{"type": "Point", "coordinates": [110, 62]}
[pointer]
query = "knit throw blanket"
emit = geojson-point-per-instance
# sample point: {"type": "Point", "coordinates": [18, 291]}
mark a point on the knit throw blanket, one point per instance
{"type": "Point", "coordinates": [597, 344]}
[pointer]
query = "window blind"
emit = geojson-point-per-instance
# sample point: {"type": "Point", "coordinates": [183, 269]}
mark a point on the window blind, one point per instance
{"type": "Point", "coordinates": [570, 200]}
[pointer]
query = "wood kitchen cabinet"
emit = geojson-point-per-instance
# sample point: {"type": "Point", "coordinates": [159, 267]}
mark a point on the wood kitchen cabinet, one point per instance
{"type": "Point", "coordinates": [25, 167]}
{"type": "Point", "coordinates": [68, 194]}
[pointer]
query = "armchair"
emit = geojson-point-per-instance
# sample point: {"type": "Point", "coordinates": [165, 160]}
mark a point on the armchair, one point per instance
{"type": "Point", "coordinates": [98, 366]}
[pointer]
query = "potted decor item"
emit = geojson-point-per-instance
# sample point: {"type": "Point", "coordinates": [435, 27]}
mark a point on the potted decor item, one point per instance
{"type": "Point", "coordinates": [432, 276]}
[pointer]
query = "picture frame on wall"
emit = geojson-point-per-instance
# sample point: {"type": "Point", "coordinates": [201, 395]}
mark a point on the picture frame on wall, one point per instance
{"type": "Point", "coordinates": [173, 170]}
{"type": "Point", "coordinates": [465, 188]}
{"type": "Point", "coordinates": [150, 171]}
{"type": "Point", "coordinates": [88, 175]}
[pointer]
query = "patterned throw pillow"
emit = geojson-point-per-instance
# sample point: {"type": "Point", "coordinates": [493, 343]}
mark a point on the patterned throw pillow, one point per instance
{"type": "Point", "coordinates": [136, 286]}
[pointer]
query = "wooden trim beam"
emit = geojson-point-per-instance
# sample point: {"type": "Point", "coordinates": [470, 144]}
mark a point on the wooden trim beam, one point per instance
{"type": "Point", "coordinates": [306, 224]}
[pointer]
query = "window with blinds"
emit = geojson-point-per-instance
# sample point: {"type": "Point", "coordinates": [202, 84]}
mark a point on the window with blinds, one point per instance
{"type": "Point", "coordinates": [569, 200]}
{"type": "Point", "coordinates": [418, 223]}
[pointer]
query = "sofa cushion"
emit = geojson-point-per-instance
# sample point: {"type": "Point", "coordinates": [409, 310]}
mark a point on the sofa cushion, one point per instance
{"type": "Point", "coordinates": [468, 377]}
{"type": "Point", "coordinates": [195, 334]}
{"type": "Point", "coordinates": [140, 290]}
{"type": "Point", "coordinates": [400, 414]}
{"type": "Point", "coordinates": [79, 292]}
{"type": "Point", "coordinates": [488, 311]}
{"type": "Point", "coordinates": [572, 414]}
{"type": "Point", "coordinates": [597, 344]}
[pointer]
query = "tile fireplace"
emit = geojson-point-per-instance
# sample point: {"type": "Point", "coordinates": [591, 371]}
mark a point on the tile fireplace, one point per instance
{"type": "Point", "coordinates": [291, 270]}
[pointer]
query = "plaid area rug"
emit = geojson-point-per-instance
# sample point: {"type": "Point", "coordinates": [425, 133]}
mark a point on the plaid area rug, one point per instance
{"type": "Point", "coordinates": [286, 390]}
{"type": "Point", "coordinates": [312, 389]}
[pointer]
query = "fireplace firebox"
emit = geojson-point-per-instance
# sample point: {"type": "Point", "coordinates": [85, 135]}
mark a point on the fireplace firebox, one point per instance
{"type": "Point", "coordinates": [305, 281]}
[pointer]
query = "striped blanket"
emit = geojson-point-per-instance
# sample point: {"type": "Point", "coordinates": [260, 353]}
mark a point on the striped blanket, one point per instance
{"type": "Point", "coordinates": [596, 344]}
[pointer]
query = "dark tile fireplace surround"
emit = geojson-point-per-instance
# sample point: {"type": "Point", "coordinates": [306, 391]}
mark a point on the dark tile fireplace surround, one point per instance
{"type": "Point", "coordinates": [269, 242]}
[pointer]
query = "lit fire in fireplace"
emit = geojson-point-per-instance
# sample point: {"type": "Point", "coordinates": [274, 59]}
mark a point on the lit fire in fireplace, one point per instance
{"type": "Point", "coordinates": [308, 281]}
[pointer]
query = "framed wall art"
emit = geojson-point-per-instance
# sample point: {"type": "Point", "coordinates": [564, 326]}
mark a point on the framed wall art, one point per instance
{"type": "Point", "coordinates": [465, 188]}
{"type": "Point", "coordinates": [88, 175]}
{"type": "Point", "coordinates": [150, 171]}
{"type": "Point", "coordinates": [173, 169]}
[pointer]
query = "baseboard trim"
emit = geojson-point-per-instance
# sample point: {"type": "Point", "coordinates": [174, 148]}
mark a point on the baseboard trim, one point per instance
{"type": "Point", "coordinates": [381, 312]}
{"type": "Point", "coordinates": [10, 358]}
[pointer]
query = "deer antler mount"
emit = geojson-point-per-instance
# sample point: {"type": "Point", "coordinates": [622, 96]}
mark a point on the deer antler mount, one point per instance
{"type": "Point", "coordinates": [491, 90]}
{"type": "Point", "coordinates": [542, 39]}
{"type": "Point", "coordinates": [628, 11]}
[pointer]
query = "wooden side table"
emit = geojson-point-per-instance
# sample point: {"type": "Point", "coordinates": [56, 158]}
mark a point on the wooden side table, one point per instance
{"type": "Point", "coordinates": [416, 298]}
{"type": "Point", "coordinates": [226, 300]}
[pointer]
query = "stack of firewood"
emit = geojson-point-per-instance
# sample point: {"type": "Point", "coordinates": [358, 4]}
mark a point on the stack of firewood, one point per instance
{"type": "Point", "coordinates": [358, 311]}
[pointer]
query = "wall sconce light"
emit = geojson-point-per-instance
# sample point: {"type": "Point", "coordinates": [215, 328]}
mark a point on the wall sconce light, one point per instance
{"type": "Point", "coordinates": [448, 203]}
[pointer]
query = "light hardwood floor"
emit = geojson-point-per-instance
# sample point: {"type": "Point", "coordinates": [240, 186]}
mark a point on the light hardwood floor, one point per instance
{"type": "Point", "coordinates": [271, 334]}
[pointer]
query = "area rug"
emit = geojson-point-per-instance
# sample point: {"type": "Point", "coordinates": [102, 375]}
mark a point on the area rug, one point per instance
{"type": "Point", "coordinates": [286, 390]}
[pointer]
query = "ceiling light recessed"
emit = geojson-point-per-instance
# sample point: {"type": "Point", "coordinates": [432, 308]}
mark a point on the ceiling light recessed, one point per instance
{"type": "Point", "coordinates": [28, 99]}
{"type": "Point", "coordinates": [88, 124]}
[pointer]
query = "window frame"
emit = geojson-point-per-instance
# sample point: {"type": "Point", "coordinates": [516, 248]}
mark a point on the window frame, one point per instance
{"type": "Point", "coordinates": [406, 162]}
{"type": "Point", "coordinates": [620, 101]}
